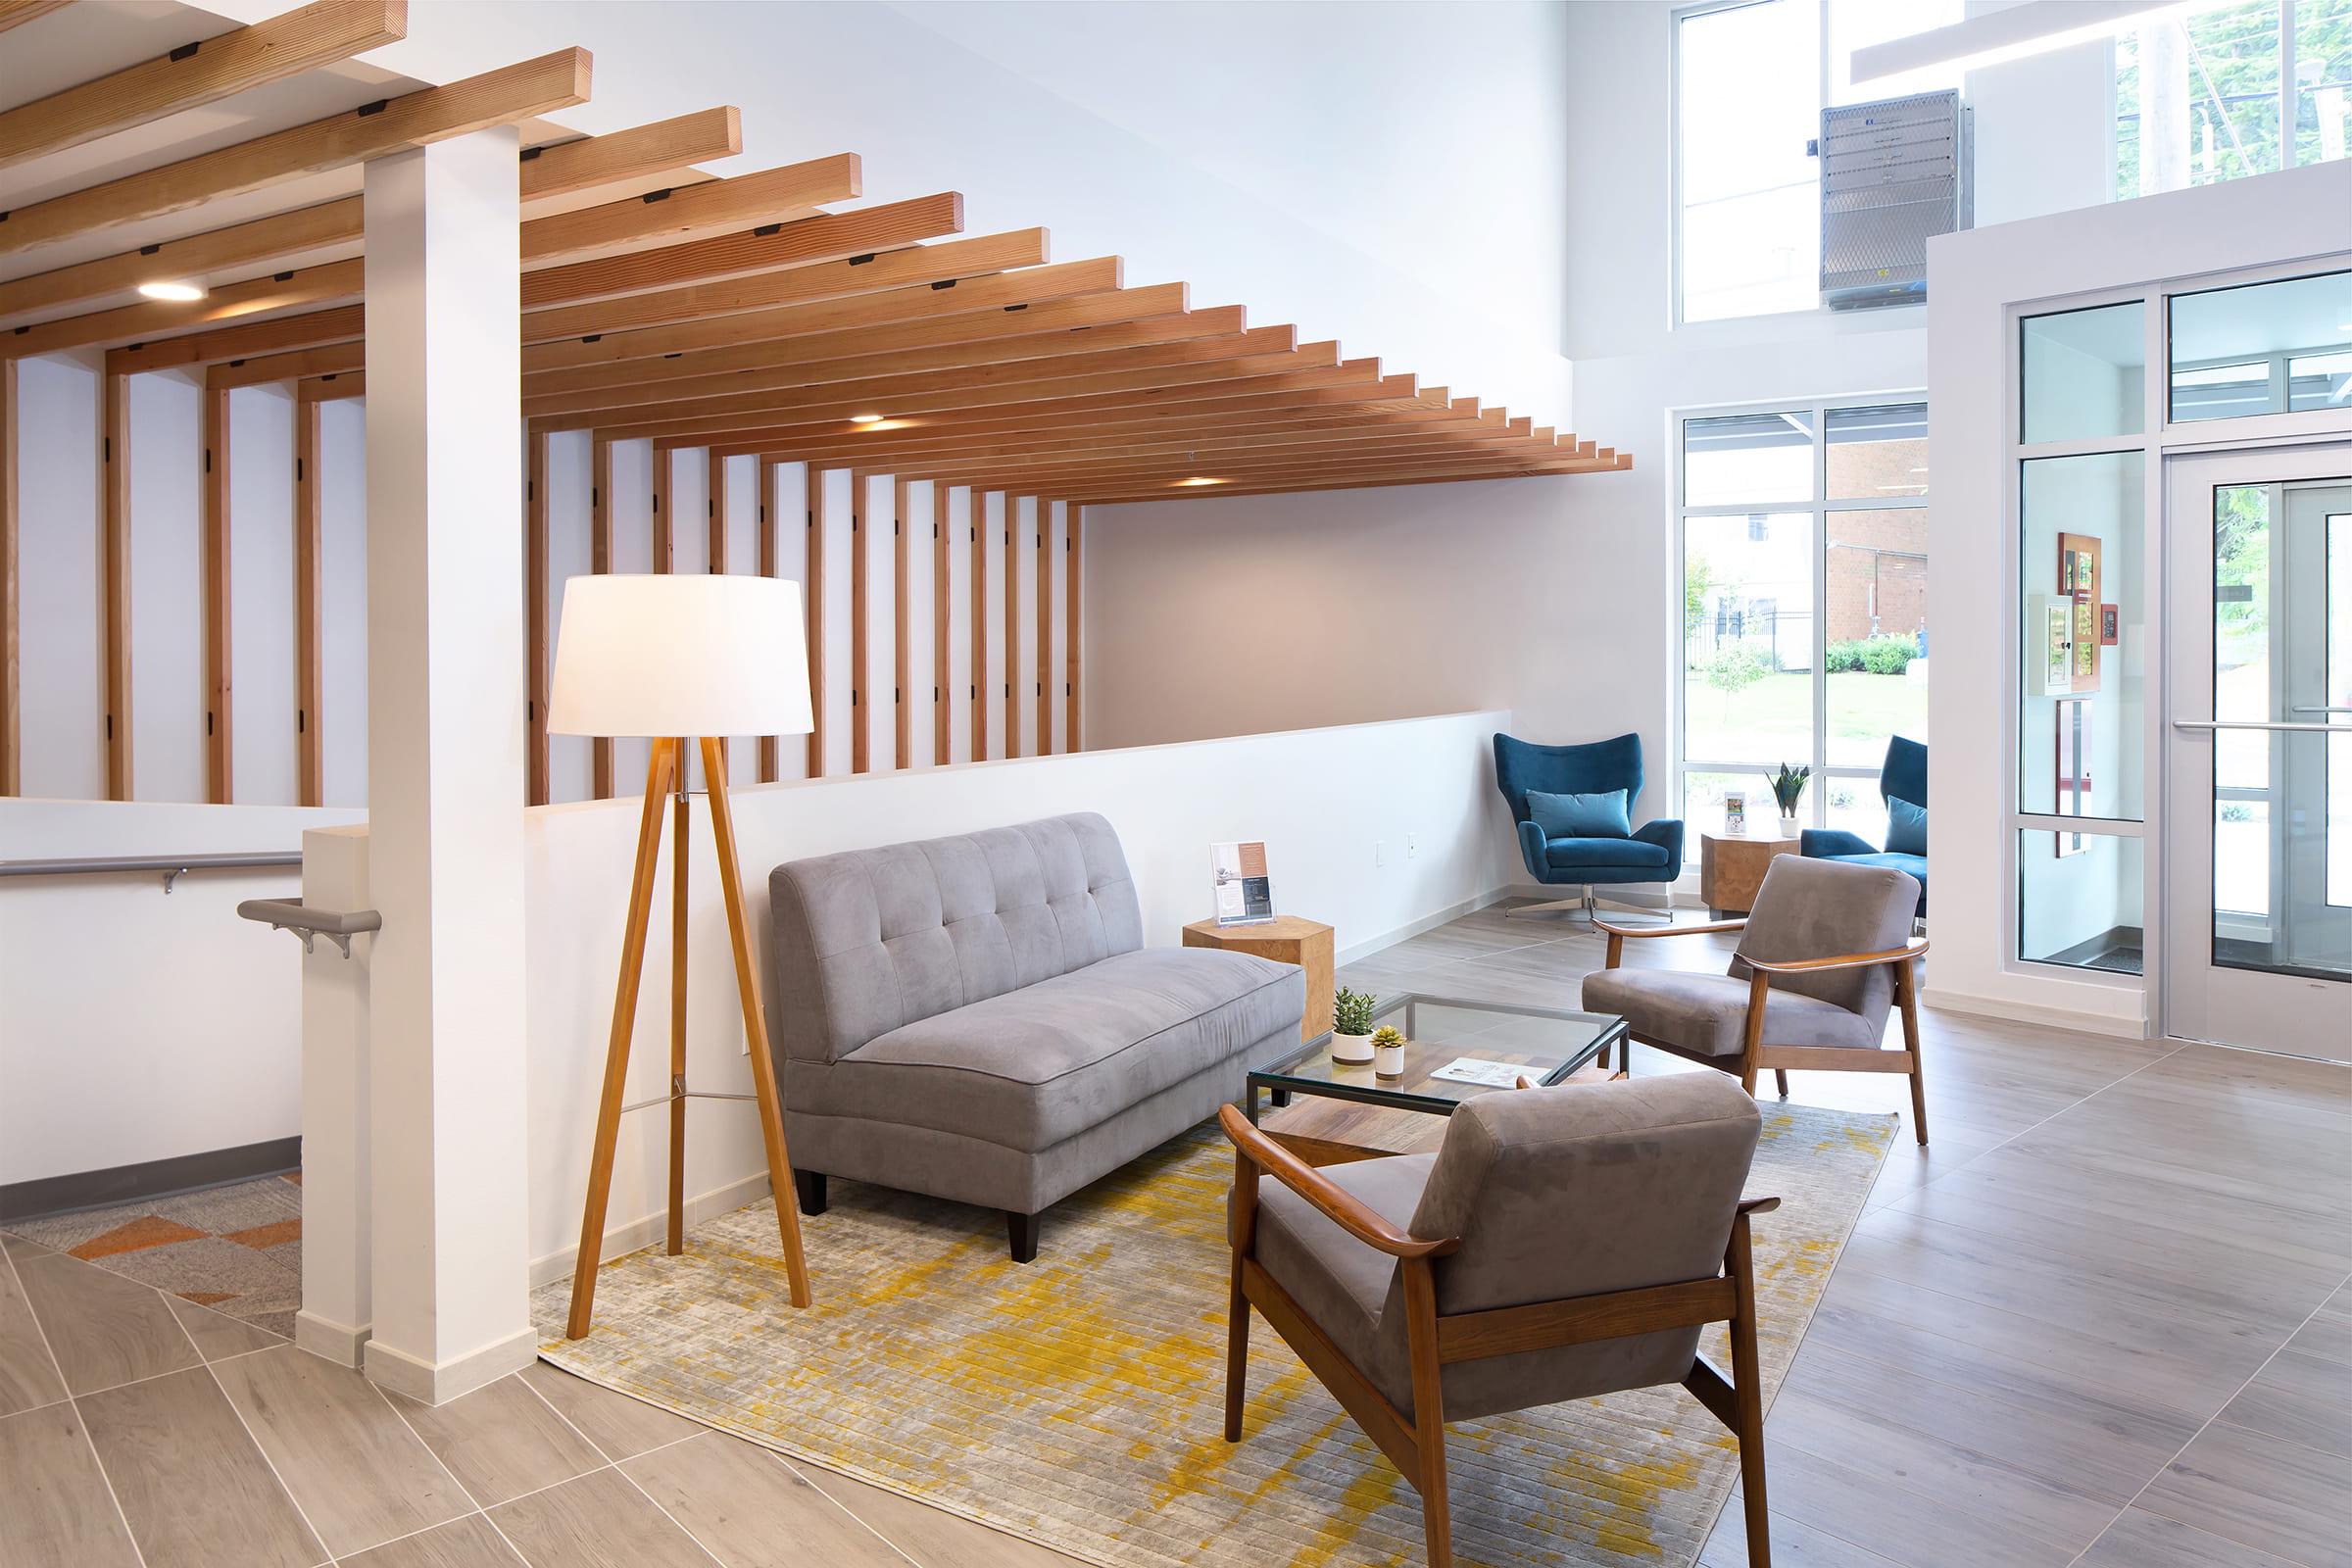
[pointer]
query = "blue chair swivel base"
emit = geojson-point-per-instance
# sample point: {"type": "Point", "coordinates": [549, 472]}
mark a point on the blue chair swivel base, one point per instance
{"type": "Point", "coordinates": [1588, 905]}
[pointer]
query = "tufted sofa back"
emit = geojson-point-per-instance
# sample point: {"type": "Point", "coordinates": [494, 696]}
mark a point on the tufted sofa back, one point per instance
{"type": "Point", "coordinates": [874, 940]}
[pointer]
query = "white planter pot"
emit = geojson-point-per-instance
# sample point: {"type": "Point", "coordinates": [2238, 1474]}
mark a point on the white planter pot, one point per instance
{"type": "Point", "coordinates": [1389, 1061]}
{"type": "Point", "coordinates": [1355, 1051]}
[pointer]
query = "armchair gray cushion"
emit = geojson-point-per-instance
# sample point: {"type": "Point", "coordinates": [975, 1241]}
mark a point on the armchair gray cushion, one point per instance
{"type": "Point", "coordinates": [1555, 1194]}
{"type": "Point", "coordinates": [1709, 1012]}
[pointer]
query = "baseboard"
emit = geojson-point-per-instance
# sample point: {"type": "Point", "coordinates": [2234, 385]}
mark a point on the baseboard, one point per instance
{"type": "Point", "coordinates": [44, 1195]}
{"type": "Point", "coordinates": [1355, 952]}
{"type": "Point", "coordinates": [428, 1384]}
{"type": "Point", "coordinates": [638, 1234]}
{"type": "Point", "coordinates": [339, 1343]}
{"type": "Point", "coordinates": [2008, 1012]}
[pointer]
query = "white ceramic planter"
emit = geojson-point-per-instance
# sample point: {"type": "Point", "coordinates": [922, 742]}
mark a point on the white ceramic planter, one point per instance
{"type": "Point", "coordinates": [1354, 1051]}
{"type": "Point", "coordinates": [1389, 1061]}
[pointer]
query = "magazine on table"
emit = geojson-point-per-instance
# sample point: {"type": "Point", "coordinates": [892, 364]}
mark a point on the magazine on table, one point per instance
{"type": "Point", "coordinates": [1245, 893]}
{"type": "Point", "coordinates": [1479, 1070]}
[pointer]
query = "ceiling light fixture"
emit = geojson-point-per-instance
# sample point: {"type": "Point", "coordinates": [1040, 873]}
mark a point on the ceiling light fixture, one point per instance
{"type": "Point", "coordinates": [1197, 479]}
{"type": "Point", "coordinates": [865, 418]}
{"type": "Point", "coordinates": [173, 290]}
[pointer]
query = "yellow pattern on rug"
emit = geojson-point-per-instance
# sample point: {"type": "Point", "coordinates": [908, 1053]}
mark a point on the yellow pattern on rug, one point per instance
{"type": "Point", "coordinates": [1077, 1400]}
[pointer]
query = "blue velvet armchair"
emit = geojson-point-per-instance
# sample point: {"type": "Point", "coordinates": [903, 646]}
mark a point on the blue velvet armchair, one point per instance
{"type": "Point", "coordinates": [1652, 855]}
{"type": "Point", "coordinates": [1902, 777]}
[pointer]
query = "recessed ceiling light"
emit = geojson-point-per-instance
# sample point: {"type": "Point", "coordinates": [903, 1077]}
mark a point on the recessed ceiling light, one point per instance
{"type": "Point", "coordinates": [865, 418]}
{"type": "Point", "coordinates": [1197, 479]}
{"type": "Point", "coordinates": [172, 289]}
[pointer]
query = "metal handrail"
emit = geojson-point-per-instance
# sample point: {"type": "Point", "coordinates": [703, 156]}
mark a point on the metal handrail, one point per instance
{"type": "Point", "coordinates": [173, 866]}
{"type": "Point", "coordinates": [338, 926]}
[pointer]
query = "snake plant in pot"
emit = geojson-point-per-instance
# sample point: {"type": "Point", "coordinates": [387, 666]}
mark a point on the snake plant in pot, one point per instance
{"type": "Point", "coordinates": [1788, 788]}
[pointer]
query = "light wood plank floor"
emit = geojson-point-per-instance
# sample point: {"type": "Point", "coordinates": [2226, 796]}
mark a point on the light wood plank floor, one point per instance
{"type": "Point", "coordinates": [2105, 1320]}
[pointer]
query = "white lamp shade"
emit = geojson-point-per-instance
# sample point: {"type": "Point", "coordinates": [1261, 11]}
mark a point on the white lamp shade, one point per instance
{"type": "Point", "coordinates": [680, 654]}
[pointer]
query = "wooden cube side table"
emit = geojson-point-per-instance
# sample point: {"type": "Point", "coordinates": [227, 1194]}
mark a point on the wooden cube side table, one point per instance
{"type": "Point", "coordinates": [1285, 939]}
{"type": "Point", "coordinates": [1730, 867]}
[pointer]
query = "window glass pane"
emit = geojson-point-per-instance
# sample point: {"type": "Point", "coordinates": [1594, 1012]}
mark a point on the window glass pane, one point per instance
{"type": "Point", "coordinates": [2080, 743]}
{"type": "Point", "coordinates": [2241, 632]}
{"type": "Point", "coordinates": [2085, 373]}
{"type": "Point", "coordinates": [2079, 899]}
{"type": "Point", "coordinates": [1747, 458]}
{"type": "Point", "coordinates": [2322, 80]}
{"type": "Point", "coordinates": [1748, 98]}
{"type": "Point", "coordinates": [1747, 638]}
{"type": "Point", "coordinates": [1856, 806]}
{"type": "Point", "coordinates": [2196, 98]}
{"type": "Point", "coordinates": [1876, 624]}
{"type": "Point", "coordinates": [1876, 454]}
{"type": "Point", "coordinates": [2225, 342]}
{"type": "Point", "coordinates": [1703, 794]}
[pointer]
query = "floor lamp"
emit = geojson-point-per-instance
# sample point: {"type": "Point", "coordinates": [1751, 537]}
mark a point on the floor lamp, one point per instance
{"type": "Point", "coordinates": [674, 658]}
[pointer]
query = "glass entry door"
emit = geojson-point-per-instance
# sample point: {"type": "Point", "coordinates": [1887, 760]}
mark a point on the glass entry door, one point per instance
{"type": "Point", "coordinates": [2258, 905]}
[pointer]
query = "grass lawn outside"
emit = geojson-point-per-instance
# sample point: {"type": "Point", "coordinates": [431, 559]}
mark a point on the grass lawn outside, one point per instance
{"type": "Point", "coordinates": [1773, 717]}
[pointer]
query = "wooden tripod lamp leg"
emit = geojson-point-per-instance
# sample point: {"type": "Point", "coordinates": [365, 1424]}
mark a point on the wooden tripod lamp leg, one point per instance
{"type": "Point", "coordinates": [617, 1050]}
{"type": "Point", "coordinates": [677, 1011]}
{"type": "Point", "coordinates": [754, 1027]}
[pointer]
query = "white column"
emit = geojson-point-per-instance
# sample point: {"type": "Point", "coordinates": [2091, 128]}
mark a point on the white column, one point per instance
{"type": "Point", "coordinates": [335, 1177]}
{"type": "Point", "coordinates": [444, 779]}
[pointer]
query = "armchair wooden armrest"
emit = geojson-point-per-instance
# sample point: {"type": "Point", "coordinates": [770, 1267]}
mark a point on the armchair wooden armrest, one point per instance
{"type": "Point", "coordinates": [1332, 1202]}
{"type": "Point", "coordinates": [1847, 960]}
{"type": "Point", "coordinates": [1758, 1205]}
{"type": "Point", "coordinates": [1669, 930]}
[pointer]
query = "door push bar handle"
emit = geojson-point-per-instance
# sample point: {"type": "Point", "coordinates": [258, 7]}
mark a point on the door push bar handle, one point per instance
{"type": "Point", "coordinates": [2210, 724]}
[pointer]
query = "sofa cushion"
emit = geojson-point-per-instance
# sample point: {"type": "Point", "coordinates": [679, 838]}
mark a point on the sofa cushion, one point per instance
{"type": "Point", "coordinates": [1906, 827]}
{"type": "Point", "coordinates": [1640, 853]}
{"type": "Point", "coordinates": [1028, 1069]}
{"type": "Point", "coordinates": [1709, 1012]}
{"type": "Point", "coordinates": [1915, 866]}
{"type": "Point", "coordinates": [874, 940]}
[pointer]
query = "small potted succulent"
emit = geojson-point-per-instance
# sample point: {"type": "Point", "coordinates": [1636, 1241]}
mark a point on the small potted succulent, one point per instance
{"type": "Point", "coordinates": [1351, 1028]}
{"type": "Point", "coordinates": [1787, 788]}
{"type": "Point", "coordinates": [1388, 1053]}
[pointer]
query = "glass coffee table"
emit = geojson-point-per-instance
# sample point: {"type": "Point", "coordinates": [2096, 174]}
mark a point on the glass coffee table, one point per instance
{"type": "Point", "coordinates": [1351, 1113]}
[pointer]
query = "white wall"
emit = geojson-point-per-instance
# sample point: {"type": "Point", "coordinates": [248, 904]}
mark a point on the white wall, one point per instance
{"type": "Point", "coordinates": [1320, 798]}
{"type": "Point", "coordinates": [197, 1044]}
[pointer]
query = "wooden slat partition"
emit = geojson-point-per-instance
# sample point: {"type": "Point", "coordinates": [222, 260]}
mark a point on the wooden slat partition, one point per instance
{"type": "Point", "coordinates": [812, 608]}
{"type": "Point", "coordinates": [12, 691]}
{"type": "Point", "coordinates": [310, 651]}
{"type": "Point", "coordinates": [1045, 626]}
{"type": "Point", "coordinates": [979, 630]}
{"type": "Point", "coordinates": [600, 560]}
{"type": "Point", "coordinates": [1073, 559]}
{"type": "Point", "coordinates": [219, 709]}
{"type": "Point", "coordinates": [861, 704]}
{"type": "Point", "coordinates": [771, 522]}
{"type": "Point", "coordinates": [666, 555]}
{"type": "Point", "coordinates": [941, 692]}
{"type": "Point", "coordinates": [535, 617]}
{"type": "Point", "coordinates": [902, 670]}
{"type": "Point", "coordinates": [114, 489]}
{"type": "Point", "coordinates": [715, 501]}
{"type": "Point", "coordinates": [1012, 626]}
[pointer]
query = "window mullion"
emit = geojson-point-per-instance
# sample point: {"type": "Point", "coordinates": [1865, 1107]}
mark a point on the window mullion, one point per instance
{"type": "Point", "coordinates": [1821, 602]}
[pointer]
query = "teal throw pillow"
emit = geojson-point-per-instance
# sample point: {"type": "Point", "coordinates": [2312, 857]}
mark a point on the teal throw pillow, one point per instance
{"type": "Point", "coordinates": [1599, 815]}
{"type": "Point", "coordinates": [1906, 827]}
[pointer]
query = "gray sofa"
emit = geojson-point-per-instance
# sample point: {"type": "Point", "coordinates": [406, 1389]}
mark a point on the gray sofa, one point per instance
{"type": "Point", "coordinates": [977, 1018]}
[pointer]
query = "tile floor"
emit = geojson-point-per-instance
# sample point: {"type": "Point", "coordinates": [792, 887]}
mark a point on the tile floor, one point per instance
{"type": "Point", "coordinates": [2103, 1321]}
{"type": "Point", "coordinates": [237, 1249]}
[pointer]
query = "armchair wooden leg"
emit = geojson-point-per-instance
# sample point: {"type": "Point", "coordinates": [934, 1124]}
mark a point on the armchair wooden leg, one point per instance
{"type": "Point", "coordinates": [1747, 1396]}
{"type": "Point", "coordinates": [1758, 988]}
{"type": "Point", "coordinates": [1237, 1346]}
{"type": "Point", "coordinates": [1906, 991]}
{"type": "Point", "coordinates": [1428, 1408]}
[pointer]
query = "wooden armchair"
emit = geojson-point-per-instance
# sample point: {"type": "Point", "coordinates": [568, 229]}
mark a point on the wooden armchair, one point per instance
{"type": "Point", "coordinates": [1562, 1243]}
{"type": "Point", "coordinates": [1827, 948]}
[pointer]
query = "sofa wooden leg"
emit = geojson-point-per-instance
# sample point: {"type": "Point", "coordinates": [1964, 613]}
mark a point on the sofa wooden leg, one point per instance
{"type": "Point", "coordinates": [810, 1187]}
{"type": "Point", "coordinates": [1021, 1231]}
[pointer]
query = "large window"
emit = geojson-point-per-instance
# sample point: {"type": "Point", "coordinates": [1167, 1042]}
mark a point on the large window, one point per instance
{"type": "Point", "coordinates": [2211, 93]}
{"type": "Point", "coordinates": [1805, 603]}
{"type": "Point", "coordinates": [1750, 81]}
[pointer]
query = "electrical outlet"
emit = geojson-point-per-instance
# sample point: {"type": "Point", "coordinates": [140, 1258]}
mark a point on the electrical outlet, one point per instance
{"type": "Point", "coordinates": [1412, 845]}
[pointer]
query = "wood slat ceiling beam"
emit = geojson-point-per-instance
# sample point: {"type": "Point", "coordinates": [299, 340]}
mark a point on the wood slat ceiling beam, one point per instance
{"type": "Point", "coordinates": [853, 377]}
{"type": "Point", "coordinates": [1205, 453]}
{"type": "Point", "coordinates": [17, 12]}
{"type": "Point", "coordinates": [515, 93]}
{"type": "Point", "coordinates": [1335, 482]}
{"type": "Point", "coordinates": [199, 74]}
{"type": "Point", "coordinates": [641, 151]}
{"type": "Point", "coordinates": [675, 214]}
{"type": "Point", "coordinates": [1182, 465]}
{"type": "Point", "coordinates": [331, 284]}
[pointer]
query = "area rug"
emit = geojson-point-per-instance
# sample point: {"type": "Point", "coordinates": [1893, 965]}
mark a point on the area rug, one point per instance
{"type": "Point", "coordinates": [237, 1249]}
{"type": "Point", "coordinates": [1077, 1400]}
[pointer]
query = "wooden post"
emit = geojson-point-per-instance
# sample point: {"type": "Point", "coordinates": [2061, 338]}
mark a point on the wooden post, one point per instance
{"type": "Point", "coordinates": [902, 670]}
{"type": "Point", "coordinates": [1045, 626]}
{"type": "Point", "coordinates": [535, 616]}
{"type": "Point", "coordinates": [771, 520]}
{"type": "Point", "coordinates": [1012, 626]}
{"type": "Point", "coordinates": [939, 739]}
{"type": "Point", "coordinates": [12, 713]}
{"type": "Point", "coordinates": [813, 593]}
{"type": "Point", "coordinates": [714, 509]}
{"type": "Point", "coordinates": [600, 560]}
{"type": "Point", "coordinates": [861, 704]}
{"type": "Point", "coordinates": [218, 711]}
{"type": "Point", "coordinates": [665, 544]}
{"type": "Point", "coordinates": [113, 470]}
{"type": "Point", "coordinates": [978, 515]}
{"type": "Point", "coordinates": [1073, 559]}
{"type": "Point", "coordinates": [309, 490]}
